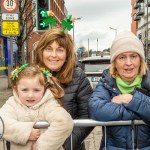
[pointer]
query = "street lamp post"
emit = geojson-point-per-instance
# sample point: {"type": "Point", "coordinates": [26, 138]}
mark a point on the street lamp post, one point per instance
{"type": "Point", "coordinates": [79, 18]}
{"type": "Point", "coordinates": [88, 46]}
{"type": "Point", "coordinates": [146, 50]}
{"type": "Point", "coordinates": [97, 44]}
{"type": "Point", "coordinates": [114, 30]}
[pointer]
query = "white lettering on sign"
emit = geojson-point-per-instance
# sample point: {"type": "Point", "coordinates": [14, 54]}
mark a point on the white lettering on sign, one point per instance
{"type": "Point", "coordinates": [9, 5]}
{"type": "Point", "coordinates": [9, 16]}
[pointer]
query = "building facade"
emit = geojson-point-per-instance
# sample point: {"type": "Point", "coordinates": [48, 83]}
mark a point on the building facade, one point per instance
{"type": "Point", "coordinates": [141, 15]}
{"type": "Point", "coordinates": [134, 23]}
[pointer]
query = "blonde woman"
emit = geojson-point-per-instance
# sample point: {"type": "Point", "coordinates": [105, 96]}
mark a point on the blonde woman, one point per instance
{"type": "Point", "coordinates": [123, 93]}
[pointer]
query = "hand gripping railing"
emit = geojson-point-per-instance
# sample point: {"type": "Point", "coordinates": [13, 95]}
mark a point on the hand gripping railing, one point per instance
{"type": "Point", "coordinates": [93, 123]}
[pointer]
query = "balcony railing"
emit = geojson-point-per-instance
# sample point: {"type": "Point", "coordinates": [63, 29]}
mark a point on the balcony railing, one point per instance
{"type": "Point", "coordinates": [136, 18]}
{"type": "Point", "coordinates": [148, 3]}
{"type": "Point", "coordinates": [140, 11]}
{"type": "Point", "coordinates": [136, 5]}
{"type": "Point", "coordinates": [139, 1]}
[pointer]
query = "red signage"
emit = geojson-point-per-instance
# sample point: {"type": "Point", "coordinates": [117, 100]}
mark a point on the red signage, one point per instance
{"type": "Point", "coordinates": [9, 5]}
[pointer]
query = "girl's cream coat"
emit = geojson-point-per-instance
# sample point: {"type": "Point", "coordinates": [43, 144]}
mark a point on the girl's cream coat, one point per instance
{"type": "Point", "coordinates": [18, 120]}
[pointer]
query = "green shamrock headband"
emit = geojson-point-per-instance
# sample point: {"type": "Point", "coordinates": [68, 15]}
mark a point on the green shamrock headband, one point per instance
{"type": "Point", "coordinates": [15, 73]}
{"type": "Point", "coordinates": [50, 20]}
{"type": "Point", "coordinates": [67, 24]}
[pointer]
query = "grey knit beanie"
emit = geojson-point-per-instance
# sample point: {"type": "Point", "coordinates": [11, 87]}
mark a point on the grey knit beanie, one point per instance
{"type": "Point", "coordinates": [126, 42]}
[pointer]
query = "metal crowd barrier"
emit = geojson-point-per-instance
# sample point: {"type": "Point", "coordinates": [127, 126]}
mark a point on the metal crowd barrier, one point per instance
{"type": "Point", "coordinates": [93, 123]}
{"type": "Point", "coordinates": [90, 123]}
{"type": "Point", "coordinates": [86, 123]}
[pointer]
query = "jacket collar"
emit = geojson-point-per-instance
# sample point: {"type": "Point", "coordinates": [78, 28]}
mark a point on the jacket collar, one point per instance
{"type": "Point", "coordinates": [146, 80]}
{"type": "Point", "coordinates": [107, 79]}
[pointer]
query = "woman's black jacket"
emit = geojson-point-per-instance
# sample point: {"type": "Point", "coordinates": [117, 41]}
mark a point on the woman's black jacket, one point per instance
{"type": "Point", "coordinates": [75, 101]}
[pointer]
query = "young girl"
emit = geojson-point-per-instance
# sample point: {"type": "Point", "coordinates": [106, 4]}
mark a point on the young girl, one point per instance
{"type": "Point", "coordinates": [33, 101]}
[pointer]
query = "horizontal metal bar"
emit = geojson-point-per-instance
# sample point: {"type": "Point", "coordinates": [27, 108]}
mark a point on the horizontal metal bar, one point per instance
{"type": "Point", "coordinates": [41, 125]}
{"type": "Point", "coordinates": [90, 123]}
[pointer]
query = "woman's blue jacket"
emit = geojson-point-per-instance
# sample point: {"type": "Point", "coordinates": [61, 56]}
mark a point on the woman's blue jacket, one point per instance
{"type": "Point", "coordinates": [102, 109]}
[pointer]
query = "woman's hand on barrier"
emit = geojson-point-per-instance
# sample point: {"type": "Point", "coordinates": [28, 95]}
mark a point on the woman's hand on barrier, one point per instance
{"type": "Point", "coordinates": [122, 99]}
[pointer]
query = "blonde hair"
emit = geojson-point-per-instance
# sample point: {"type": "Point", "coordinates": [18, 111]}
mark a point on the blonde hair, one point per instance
{"type": "Point", "coordinates": [142, 69]}
{"type": "Point", "coordinates": [64, 75]}
{"type": "Point", "coordinates": [34, 71]}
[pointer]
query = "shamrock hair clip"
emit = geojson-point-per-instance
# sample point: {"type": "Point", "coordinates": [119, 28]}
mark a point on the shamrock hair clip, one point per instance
{"type": "Point", "coordinates": [67, 24]}
{"type": "Point", "coordinates": [47, 74]}
{"type": "Point", "coordinates": [14, 74]}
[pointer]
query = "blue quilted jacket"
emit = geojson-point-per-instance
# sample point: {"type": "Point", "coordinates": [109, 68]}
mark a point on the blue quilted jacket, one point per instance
{"type": "Point", "coordinates": [102, 109]}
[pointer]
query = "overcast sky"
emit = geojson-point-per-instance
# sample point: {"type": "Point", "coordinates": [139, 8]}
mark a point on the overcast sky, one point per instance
{"type": "Point", "coordinates": [97, 17]}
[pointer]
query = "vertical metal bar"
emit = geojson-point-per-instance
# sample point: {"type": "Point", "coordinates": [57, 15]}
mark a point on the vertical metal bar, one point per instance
{"type": "Point", "coordinates": [132, 134]}
{"type": "Point", "coordinates": [136, 134]}
{"type": "Point", "coordinates": [146, 51]}
{"type": "Point", "coordinates": [105, 137]}
{"type": "Point", "coordinates": [10, 63]}
{"type": "Point", "coordinates": [88, 47]}
{"type": "Point", "coordinates": [73, 32]}
{"type": "Point", "coordinates": [97, 44]}
{"type": "Point", "coordinates": [71, 143]}
{"type": "Point", "coordinates": [11, 50]}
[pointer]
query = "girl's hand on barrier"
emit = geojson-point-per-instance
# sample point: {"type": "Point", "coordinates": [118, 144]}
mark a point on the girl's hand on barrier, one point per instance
{"type": "Point", "coordinates": [35, 134]}
{"type": "Point", "coordinates": [33, 147]}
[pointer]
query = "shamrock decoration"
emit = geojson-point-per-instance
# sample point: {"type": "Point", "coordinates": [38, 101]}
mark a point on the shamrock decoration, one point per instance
{"type": "Point", "coordinates": [14, 74]}
{"type": "Point", "coordinates": [51, 20]}
{"type": "Point", "coordinates": [67, 23]}
{"type": "Point", "coordinates": [47, 73]}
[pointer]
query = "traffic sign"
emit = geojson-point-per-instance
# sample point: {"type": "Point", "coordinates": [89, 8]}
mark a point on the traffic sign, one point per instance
{"type": "Point", "coordinates": [10, 28]}
{"type": "Point", "coordinates": [9, 16]}
{"type": "Point", "coordinates": [9, 5]}
{"type": "Point", "coordinates": [80, 50]}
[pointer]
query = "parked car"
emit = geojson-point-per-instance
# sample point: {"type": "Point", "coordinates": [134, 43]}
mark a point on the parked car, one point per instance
{"type": "Point", "coordinates": [93, 67]}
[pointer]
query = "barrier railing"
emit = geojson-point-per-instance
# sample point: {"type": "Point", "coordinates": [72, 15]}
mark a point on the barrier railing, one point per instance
{"type": "Point", "coordinates": [88, 123]}
{"type": "Point", "coordinates": [93, 123]}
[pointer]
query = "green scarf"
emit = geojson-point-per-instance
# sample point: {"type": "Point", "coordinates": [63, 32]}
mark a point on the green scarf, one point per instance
{"type": "Point", "coordinates": [126, 87]}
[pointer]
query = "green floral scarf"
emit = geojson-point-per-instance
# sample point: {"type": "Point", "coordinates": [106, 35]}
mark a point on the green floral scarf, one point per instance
{"type": "Point", "coordinates": [126, 87]}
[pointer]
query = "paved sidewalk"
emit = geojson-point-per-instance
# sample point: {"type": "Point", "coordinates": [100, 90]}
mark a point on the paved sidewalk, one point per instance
{"type": "Point", "coordinates": [92, 142]}
{"type": "Point", "coordinates": [5, 92]}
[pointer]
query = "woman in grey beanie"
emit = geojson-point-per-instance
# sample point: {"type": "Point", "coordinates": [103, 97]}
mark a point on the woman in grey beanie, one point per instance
{"type": "Point", "coordinates": [123, 93]}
